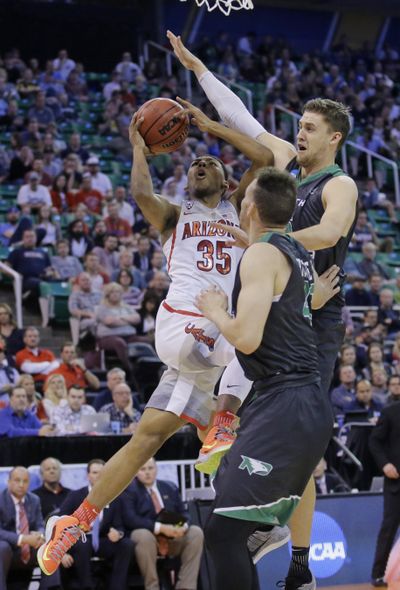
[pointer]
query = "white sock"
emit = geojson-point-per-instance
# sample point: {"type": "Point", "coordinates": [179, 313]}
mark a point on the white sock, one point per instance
{"type": "Point", "coordinates": [233, 382]}
{"type": "Point", "coordinates": [229, 106]}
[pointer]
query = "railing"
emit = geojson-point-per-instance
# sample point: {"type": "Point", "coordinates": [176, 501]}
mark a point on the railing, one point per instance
{"type": "Point", "coordinates": [342, 435]}
{"type": "Point", "coordinates": [188, 74]}
{"type": "Point", "coordinates": [168, 63]}
{"type": "Point", "coordinates": [370, 155]}
{"type": "Point", "coordinates": [179, 472]}
{"type": "Point", "coordinates": [17, 280]}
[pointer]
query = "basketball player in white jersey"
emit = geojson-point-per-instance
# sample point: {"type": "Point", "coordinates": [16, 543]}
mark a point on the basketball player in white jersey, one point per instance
{"type": "Point", "coordinates": [199, 257]}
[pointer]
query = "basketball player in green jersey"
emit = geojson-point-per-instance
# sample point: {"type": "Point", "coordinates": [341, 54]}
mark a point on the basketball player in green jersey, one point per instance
{"type": "Point", "coordinates": [323, 222]}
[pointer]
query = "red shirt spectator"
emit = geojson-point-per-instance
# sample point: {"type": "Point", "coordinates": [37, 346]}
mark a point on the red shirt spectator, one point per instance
{"type": "Point", "coordinates": [74, 371]}
{"type": "Point", "coordinates": [34, 360]}
{"type": "Point", "coordinates": [91, 197]}
{"type": "Point", "coordinates": [119, 227]}
{"type": "Point", "coordinates": [61, 199]}
{"type": "Point", "coordinates": [115, 225]}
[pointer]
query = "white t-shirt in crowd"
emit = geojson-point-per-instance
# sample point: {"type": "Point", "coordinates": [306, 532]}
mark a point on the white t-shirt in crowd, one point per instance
{"type": "Point", "coordinates": [27, 196]}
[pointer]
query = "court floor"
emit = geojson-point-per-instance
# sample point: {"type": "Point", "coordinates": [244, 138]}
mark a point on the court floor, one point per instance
{"type": "Point", "coordinates": [347, 587]}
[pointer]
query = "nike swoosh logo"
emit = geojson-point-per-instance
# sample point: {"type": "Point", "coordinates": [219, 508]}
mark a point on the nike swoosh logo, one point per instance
{"type": "Point", "coordinates": [229, 386]}
{"type": "Point", "coordinates": [210, 446]}
{"type": "Point", "coordinates": [44, 556]}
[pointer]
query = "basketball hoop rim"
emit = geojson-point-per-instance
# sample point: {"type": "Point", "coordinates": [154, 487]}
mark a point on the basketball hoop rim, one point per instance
{"type": "Point", "coordinates": [225, 6]}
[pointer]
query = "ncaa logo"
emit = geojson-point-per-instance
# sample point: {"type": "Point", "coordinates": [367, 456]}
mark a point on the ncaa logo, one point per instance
{"type": "Point", "coordinates": [328, 550]}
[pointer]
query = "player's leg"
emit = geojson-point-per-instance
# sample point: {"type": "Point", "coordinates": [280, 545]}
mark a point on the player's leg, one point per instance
{"type": "Point", "coordinates": [392, 575]}
{"type": "Point", "coordinates": [233, 390]}
{"type": "Point", "coordinates": [154, 428]}
{"type": "Point", "coordinates": [300, 528]}
{"type": "Point", "coordinates": [221, 435]}
{"type": "Point", "coordinates": [226, 540]}
{"type": "Point", "coordinates": [329, 336]}
{"type": "Point", "coordinates": [262, 478]}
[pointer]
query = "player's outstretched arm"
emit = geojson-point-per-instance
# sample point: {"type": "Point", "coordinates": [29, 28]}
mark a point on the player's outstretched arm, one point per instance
{"type": "Point", "coordinates": [229, 106]}
{"type": "Point", "coordinates": [245, 331]}
{"type": "Point", "coordinates": [325, 286]}
{"type": "Point", "coordinates": [340, 201]}
{"type": "Point", "coordinates": [158, 211]}
{"type": "Point", "coordinates": [258, 154]}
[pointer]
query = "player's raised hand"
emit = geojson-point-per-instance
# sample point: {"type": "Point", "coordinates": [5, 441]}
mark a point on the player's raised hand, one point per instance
{"type": "Point", "coordinates": [197, 117]}
{"type": "Point", "coordinates": [240, 238]}
{"type": "Point", "coordinates": [210, 301]}
{"type": "Point", "coordinates": [134, 134]}
{"type": "Point", "coordinates": [186, 57]}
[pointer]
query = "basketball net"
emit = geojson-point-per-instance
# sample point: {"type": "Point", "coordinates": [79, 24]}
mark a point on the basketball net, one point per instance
{"type": "Point", "coordinates": [225, 6]}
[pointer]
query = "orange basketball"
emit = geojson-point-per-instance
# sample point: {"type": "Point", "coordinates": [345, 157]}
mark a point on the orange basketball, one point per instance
{"type": "Point", "coordinates": [163, 130]}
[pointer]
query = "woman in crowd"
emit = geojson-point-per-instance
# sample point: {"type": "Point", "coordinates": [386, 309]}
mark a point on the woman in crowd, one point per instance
{"type": "Point", "coordinates": [55, 394]}
{"type": "Point", "coordinates": [8, 374]}
{"type": "Point", "coordinates": [48, 226]}
{"type": "Point", "coordinates": [375, 361]}
{"type": "Point", "coordinates": [60, 198]}
{"type": "Point", "coordinates": [73, 172]}
{"type": "Point", "coordinates": [148, 311]}
{"type": "Point", "coordinates": [34, 398]}
{"type": "Point", "coordinates": [115, 324]}
{"type": "Point", "coordinates": [8, 329]}
{"type": "Point", "coordinates": [131, 295]}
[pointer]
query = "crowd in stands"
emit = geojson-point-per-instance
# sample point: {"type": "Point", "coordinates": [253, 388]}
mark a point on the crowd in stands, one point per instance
{"type": "Point", "coordinates": [67, 217]}
{"type": "Point", "coordinates": [131, 534]}
{"type": "Point", "coordinates": [364, 80]}
{"type": "Point", "coordinates": [60, 405]}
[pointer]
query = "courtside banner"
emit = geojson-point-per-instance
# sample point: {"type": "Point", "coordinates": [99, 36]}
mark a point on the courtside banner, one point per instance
{"type": "Point", "coordinates": [343, 541]}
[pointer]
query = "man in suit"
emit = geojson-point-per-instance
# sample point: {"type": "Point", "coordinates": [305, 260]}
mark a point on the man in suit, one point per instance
{"type": "Point", "coordinates": [21, 530]}
{"type": "Point", "coordinates": [327, 483]}
{"type": "Point", "coordinates": [106, 540]}
{"type": "Point", "coordinates": [51, 493]}
{"type": "Point", "coordinates": [385, 447]}
{"type": "Point", "coordinates": [143, 500]}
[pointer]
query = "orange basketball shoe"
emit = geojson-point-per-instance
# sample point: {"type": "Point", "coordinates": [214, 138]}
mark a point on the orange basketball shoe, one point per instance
{"type": "Point", "coordinates": [62, 532]}
{"type": "Point", "coordinates": [218, 441]}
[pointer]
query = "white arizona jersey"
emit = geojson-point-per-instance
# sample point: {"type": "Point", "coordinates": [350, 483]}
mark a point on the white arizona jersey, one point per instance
{"type": "Point", "coordinates": [200, 256]}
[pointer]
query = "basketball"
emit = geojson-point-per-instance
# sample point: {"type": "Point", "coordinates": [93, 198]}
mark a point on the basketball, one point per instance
{"type": "Point", "coordinates": [163, 130]}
